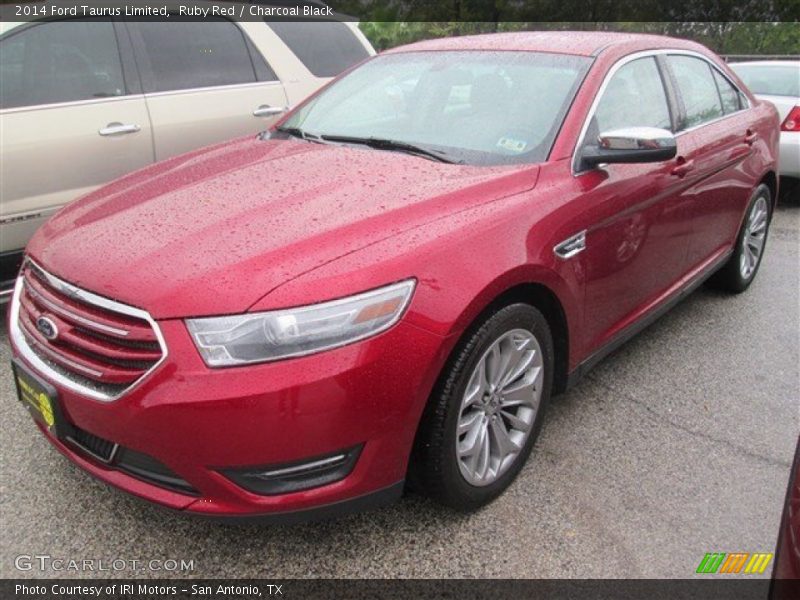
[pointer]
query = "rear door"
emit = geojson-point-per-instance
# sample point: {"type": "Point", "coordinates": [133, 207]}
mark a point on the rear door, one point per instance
{"type": "Point", "coordinates": [315, 52]}
{"type": "Point", "coordinates": [72, 118]}
{"type": "Point", "coordinates": [204, 83]}
{"type": "Point", "coordinates": [715, 124]}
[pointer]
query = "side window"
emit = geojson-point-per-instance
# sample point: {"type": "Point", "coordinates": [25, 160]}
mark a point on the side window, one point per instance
{"type": "Point", "coordinates": [696, 84]}
{"type": "Point", "coordinates": [727, 93]}
{"type": "Point", "coordinates": [60, 61]}
{"type": "Point", "coordinates": [634, 97]}
{"type": "Point", "coordinates": [326, 48]}
{"type": "Point", "coordinates": [196, 54]}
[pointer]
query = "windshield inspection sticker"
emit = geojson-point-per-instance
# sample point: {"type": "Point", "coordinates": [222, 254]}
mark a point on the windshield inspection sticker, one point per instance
{"type": "Point", "coordinates": [511, 145]}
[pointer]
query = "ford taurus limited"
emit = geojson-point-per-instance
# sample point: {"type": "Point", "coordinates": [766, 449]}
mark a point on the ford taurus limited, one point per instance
{"type": "Point", "coordinates": [388, 286]}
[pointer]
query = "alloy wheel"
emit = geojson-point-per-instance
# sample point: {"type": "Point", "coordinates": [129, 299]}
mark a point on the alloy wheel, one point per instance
{"type": "Point", "coordinates": [755, 234]}
{"type": "Point", "coordinates": [499, 407]}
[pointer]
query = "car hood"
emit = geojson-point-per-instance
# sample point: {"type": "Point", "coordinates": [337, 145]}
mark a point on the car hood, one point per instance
{"type": "Point", "coordinates": [213, 231]}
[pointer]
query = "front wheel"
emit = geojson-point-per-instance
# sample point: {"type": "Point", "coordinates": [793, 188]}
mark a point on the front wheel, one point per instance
{"type": "Point", "coordinates": [738, 273]}
{"type": "Point", "coordinates": [485, 415]}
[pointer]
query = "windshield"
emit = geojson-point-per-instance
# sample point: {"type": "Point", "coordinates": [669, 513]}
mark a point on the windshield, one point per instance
{"type": "Point", "coordinates": [475, 107]}
{"type": "Point", "coordinates": [770, 80]}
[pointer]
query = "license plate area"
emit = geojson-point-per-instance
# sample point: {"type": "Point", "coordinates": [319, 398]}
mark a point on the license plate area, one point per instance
{"type": "Point", "coordinates": [41, 400]}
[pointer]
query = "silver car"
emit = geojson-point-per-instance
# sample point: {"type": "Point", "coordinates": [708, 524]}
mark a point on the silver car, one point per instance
{"type": "Point", "coordinates": [778, 81]}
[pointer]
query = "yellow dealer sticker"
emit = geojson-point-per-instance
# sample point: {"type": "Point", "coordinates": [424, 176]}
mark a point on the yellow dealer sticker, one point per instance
{"type": "Point", "coordinates": [46, 409]}
{"type": "Point", "coordinates": [39, 401]}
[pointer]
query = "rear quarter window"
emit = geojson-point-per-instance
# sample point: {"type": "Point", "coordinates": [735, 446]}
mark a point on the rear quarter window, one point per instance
{"type": "Point", "coordinates": [731, 100]}
{"type": "Point", "coordinates": [326, 48]}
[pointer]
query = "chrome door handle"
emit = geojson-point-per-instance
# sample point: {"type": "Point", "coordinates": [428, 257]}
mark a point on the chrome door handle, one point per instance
{"type": "Point", "coordinates": [682, 168]}
{"type": "Point", "coordinates": [118, 129]}
{"type": "Point", "coordinates": [265, 110]}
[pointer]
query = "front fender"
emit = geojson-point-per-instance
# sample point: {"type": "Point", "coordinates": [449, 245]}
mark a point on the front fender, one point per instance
{"type": "Point", "coordinates": [462, 263]}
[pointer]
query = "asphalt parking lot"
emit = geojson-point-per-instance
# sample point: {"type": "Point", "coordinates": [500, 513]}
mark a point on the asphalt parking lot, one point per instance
{"type": "Point", "coordinates": [677, 445]}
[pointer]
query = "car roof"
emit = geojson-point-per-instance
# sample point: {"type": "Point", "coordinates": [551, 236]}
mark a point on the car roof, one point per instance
{"type": "Point", "coordinates": [579, 43]}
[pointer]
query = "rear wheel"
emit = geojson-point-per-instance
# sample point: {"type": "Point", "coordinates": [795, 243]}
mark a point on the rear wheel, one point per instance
{"type": "Point", "coordinates": [738, 273]}
{"type": "Point", "coordinates": [485, 415]}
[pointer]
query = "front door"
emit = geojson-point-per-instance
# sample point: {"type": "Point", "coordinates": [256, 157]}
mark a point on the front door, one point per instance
{"type": "Point", "coordinates": [638, 221]}
{"type": "Point", "coordinates": [69, 121]}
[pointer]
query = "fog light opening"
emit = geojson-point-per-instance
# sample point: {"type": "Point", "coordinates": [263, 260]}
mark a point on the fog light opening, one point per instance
{"type": "Point", "coordinates": [296, 476]}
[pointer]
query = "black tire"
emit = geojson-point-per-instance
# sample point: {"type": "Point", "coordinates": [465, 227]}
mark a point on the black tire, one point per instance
{"type": "Point", "coordinates": [434, 466]}
{"type": "Point", "coordinates": [730, 277]}
{"type": "Point", "coordinates": [789, 190]}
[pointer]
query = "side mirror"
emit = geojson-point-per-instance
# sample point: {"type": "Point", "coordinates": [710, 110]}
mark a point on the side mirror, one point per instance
{"type": "Point", "coordinates": [630, 145]}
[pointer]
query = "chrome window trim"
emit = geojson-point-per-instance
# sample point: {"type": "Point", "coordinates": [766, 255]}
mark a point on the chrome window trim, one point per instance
{"type": "Point", "coordinates": [91, 101]}
{"type": "Point", "coordinates": [645, 54]}
{"type": "Point", "coordinates": [33, 359]}
{"type": "Point", "coordinates": [70, 103]}
{"type": "Point", "coordinates": [208, 88]}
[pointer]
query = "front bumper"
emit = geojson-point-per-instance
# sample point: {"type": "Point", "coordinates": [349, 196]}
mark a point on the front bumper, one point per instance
{"type": "Point", "coordinates": [199, 422]}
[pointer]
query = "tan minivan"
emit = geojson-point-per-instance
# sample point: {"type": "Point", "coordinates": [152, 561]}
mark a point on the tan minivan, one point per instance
{"type": "Point", "coordinates": [85, 101]}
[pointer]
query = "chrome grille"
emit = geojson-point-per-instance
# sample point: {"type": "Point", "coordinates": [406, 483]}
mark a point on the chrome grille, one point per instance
{"type": "Point", "coordinates": [91, 344]}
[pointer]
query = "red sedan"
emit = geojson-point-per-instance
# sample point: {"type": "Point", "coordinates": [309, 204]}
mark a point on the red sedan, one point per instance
{"type": "Point", "coordinates": [389, 286]}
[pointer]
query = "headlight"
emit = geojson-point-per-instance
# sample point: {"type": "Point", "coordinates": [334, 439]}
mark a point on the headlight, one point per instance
{"type": "Point", "coordinates": [260, 337]}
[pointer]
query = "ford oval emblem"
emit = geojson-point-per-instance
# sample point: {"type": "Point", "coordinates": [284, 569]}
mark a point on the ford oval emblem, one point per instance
{"type": "Point", "coordinates": [47, 328]}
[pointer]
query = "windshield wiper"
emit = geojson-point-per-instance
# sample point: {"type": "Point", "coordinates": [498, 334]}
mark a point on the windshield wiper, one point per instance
{"type": "Point", "coordinates": [386, 144]}
{"type": "Point", "coordinates": [298, 133]}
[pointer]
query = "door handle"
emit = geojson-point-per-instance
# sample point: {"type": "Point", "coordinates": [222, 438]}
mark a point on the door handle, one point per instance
{"type": "Point", "coordinates": [682, 168]}
{"type": "Point", "coordinates": [750, 137]}
{"type": "Point", "coordinates": [265, 110]}
{"type": "Point", "coordinates": [118, 129]}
